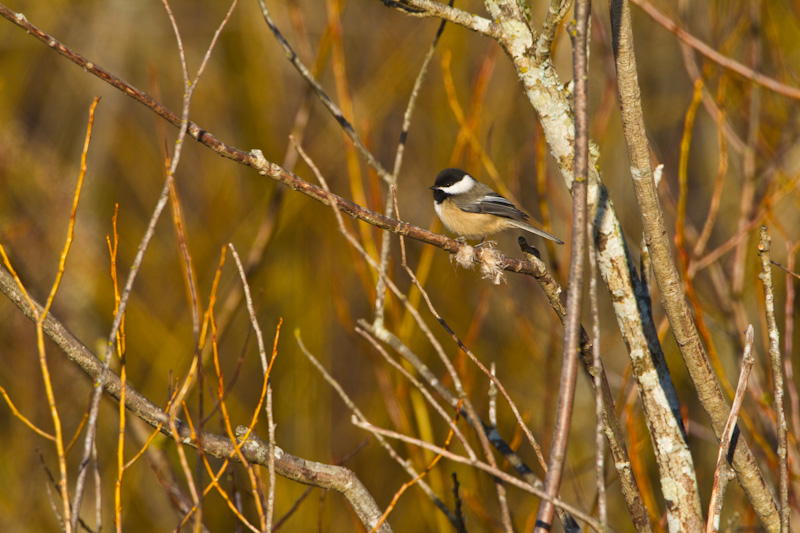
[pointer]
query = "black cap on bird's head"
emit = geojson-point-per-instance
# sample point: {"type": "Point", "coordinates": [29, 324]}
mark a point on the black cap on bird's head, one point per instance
{"type": "Point", "coordinates": [448, 177]}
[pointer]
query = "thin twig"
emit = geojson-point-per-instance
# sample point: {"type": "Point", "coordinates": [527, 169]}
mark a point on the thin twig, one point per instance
{"type": "Point", "coordinates": [70, 515]}
{"type": "Point", "coordinates": [572, 326]}
{"type": "Point", "coordinates": [721, 474]}
{"type": "Point", "coordinates": [556, 12]}
{"type": "Point", "coordinates": [298, 64]}
{"type": "Point", "coordinates": [493, 397]}
{"type": "Point", "coordinates": [270, 462]}
{"type": "Point", "coordinates": [731, 64]}
{"type": "Point", "coordinates": [262, 351]}
{"type": "Point", "coordinates": [98, 490]}
{"type": "Point", "coordinates": [481, 466]}
{"type": "Point", "coordinates": [788, 334]}
{"type": "Point", "coordinates": [785, 269]}
{"type": "Point", "coordinates": [420, 387]}
{"type": "Point", "coordinates": [777, 377]}
{"type": "Point", "coordinates": [597, 379]}
{"type": "Point", "coordinates": [184, 462]}
{"type": "Point", "coordinates": [380, 289]}
{"type": "Point", "coordinates": [265, 369]}
{"type": "Point", "coordinates": [113, 248]}
{"type": "Point", "coordinates": [271, 432]}
{"type": "Point", "coordinates": [471, 21]}
{"type": "Point", "coordinates": [186, 256]}
{"type": "Point", "coordinates": [25, 420]}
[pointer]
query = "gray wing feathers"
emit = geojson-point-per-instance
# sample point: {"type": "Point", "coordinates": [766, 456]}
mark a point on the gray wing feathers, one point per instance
{"type": "Point", "coordinates": [494, 204]}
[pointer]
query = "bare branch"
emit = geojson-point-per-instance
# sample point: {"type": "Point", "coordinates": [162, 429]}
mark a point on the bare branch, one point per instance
{"type": "Point", "coordinates": [777, 376]}
{"type": "Point", "coordinates": [255, 450]}
{"type": "Point", "coordinates": [479, 465]}
{"type": "Point", "coordinates": [556, 12]}
{"type": "Point", "coordinates": [680, 462]}
{"type": "Point", "coordinates": [613, 431]}
{"type": "Point", "coordinates": [431, 8]}
{"type": "Point", "coordinates": [744, 71]}
{"type": "Point", "coordinates": [572, 325]}
{"type": "Point", "coordinates": [598, 378]}
{"type": "Point", "coordinates": [721, 474]}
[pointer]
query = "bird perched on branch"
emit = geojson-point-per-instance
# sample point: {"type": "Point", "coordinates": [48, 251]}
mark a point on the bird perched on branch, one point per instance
{"type": "Point", "coordinates": [473, 210]}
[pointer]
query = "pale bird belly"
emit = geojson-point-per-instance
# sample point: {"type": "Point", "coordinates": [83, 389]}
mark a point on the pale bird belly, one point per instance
{"type": "Point", "coordinates": [469, 225]}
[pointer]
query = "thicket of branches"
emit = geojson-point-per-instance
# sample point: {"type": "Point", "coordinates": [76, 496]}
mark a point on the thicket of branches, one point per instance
{"type": "Point", "coordinates": [172, 316]}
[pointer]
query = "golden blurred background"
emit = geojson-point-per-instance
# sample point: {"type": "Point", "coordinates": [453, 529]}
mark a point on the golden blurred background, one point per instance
{"type": "Point", "coordinates": [308, 275]}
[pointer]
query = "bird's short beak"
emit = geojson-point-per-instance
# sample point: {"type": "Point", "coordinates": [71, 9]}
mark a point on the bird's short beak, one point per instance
{"type": "Point", "coordinates": [433, 187]}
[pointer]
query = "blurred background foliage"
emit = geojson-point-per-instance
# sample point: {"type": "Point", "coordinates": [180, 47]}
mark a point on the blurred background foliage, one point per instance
{"type": "Point", "coordinates": [249, 97]}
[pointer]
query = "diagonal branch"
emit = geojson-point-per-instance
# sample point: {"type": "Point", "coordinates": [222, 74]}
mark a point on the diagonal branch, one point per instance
{"type": "Point", "coordinates": [322, 95]}
{"type": "Point", "coordinates": [721, 472]}
{"type": "Point", "coordinates": [722, 60]}
{"type": "Point", "coordinates": [321, 475]}
{"type": "Point", "coordinates": [255, 159]}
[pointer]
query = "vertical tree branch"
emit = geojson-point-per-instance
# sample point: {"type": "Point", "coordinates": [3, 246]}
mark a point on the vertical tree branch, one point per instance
{"type": "Point", "coordinates": [572, 327]}
{"type": "Point", "coordinates": [598, 377]}
{"type": "Point", "coordinates": [630, 297]}
{"type": "Point", "coordinates": [684, 496]}
{"type": "Point", "coordinates": [777, 376]}
{"type": "Point", "coordinates": [612, 428]}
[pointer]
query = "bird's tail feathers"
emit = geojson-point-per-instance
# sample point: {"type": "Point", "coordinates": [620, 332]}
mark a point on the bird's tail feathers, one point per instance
{"type": "Point", "coordinates": [535, 231]}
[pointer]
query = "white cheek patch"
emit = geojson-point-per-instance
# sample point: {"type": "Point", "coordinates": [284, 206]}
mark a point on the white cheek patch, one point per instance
{"type": "Point", "coordinates": [465, 184]}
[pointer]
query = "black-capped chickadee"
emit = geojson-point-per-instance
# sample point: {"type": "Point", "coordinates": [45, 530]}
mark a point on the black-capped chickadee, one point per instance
{"type": "Point", "coordinates": [473, 210]}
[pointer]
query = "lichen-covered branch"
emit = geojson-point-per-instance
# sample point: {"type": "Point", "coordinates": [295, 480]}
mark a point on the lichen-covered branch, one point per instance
{"type": "Point", "coordinates": [666, 274]}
